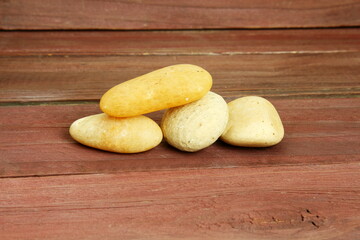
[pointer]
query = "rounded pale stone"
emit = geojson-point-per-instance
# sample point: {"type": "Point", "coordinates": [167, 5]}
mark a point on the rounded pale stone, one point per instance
{"type": "Point", "coordinates": [196, 125]}
{"type": "Point", "coordinates": [253, 122]}
{"type": "Point", "coordinates": [122, 135]}
{"type": "Point", "coordinates": [164, 88]}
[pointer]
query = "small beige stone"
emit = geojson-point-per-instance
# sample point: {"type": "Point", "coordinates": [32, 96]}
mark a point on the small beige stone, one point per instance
{"type": "Point", "coordinates": [196, 125]}
{"type": "Point", "coordinates": [253, 122]}
{"type": "Point", "coordinates": [122, 135]}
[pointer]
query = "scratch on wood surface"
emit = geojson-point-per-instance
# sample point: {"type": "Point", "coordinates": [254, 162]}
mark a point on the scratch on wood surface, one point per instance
{"type": "Point", "coordinates": [232, 53]}
{"type": "Point", "coordinates": [180, 54]}
{"type": "Point", "coordinates": [288, 52]}
{"type": "Point", "coordinates": [265, 220]}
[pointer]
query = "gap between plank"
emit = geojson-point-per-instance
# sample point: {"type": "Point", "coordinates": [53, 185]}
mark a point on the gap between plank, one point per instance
{"type": "Point", "coordinates": [315, 27]}
{"type": "Point", "coordinates": [48, 103]}
{"type": "Point", "coordinates": [228, 98]}
{"type": "Point", "coordinates": [169, 170]}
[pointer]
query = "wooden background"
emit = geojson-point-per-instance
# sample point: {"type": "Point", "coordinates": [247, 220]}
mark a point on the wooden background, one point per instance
{"type": "Point", "coordinates": [175, 14]}
{"type": "Point", "coordinates": [57, 58]}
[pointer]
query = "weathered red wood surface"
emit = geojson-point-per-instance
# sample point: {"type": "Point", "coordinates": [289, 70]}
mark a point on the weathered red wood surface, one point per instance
{"type": "Point", "coordinates": [165, 14]}
{"type": "Point", "coordinates": [306, 187]}
{"type": "Point", "coordinates": [318, 131]}
{"type": "Point", "coordinates": [195, 42]}
{"type": "Point", "coordinates": [87, 78]}
{"type": "Point", "coordinates": [83, 65]}
{"type": "Point", "coordinates": [286, 202]}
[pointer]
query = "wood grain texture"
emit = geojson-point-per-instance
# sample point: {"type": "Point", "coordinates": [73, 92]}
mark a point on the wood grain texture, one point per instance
{"type": "Point", "coordinates": [317, 131]}
{"type": "Point", "coordinates": [291, 202]}
{"type": "Point", "coordinates": [209, 42]}
{"type": "Point", "coordinates": [306, 187]}
{"type": "Point", "coordinates": [61, 66]}
{"type": "Point", "coordinates": [186, 14]}
{"type": "Point", "coordinates": [37, 79]}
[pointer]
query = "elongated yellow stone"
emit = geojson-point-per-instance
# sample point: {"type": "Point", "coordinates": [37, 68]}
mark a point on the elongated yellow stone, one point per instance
{"type": "Point", "coordinates": [122, 135]}
{"type": "Point", "coordinates": [167, 87]}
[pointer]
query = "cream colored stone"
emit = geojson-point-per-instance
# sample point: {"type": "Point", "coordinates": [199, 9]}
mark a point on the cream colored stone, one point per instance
{"type": "Point", "coordinates": [196, 125]}
{"type": "Point", "coordinates": [122, 135]}
{"type": "Point", "coordinates": [253, 122]}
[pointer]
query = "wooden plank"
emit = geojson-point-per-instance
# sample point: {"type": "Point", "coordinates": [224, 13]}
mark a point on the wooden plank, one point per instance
{"type": "Point", "coordinates": [186, 14]}
{"type": "Point", "coordinates": [45, 66]}
{"type": "Point", "coordinates": [208, 42]}
{"type": "Point", "coordinates": [35, 141]}
{"type": "Point", "coordinates": [291, 75]}
{"type": "Point", "coordinates": [290, 202]}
